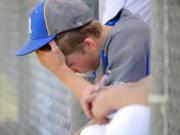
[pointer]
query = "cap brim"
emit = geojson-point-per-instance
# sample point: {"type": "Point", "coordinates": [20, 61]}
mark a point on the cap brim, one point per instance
{"type": "Point", "coordinates": [33, 45]}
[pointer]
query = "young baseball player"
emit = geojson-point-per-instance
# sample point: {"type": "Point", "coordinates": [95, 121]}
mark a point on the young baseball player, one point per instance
{"type": "Point", "coordinates": [67, 40]}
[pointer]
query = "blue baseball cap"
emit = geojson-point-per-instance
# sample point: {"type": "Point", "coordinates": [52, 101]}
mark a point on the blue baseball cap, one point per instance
{"type": "Point", "coordinates": [52, 17]}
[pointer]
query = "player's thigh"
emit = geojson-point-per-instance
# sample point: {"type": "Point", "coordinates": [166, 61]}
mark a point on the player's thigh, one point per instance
{"type": "Point", "coordinates": [94, 130]}
{"type": "Point", "coordinates": [130, 120]}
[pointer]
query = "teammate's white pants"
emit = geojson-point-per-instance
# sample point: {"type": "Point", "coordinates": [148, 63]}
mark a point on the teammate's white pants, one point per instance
{"type": "Point", "coordinates": [130, 120]}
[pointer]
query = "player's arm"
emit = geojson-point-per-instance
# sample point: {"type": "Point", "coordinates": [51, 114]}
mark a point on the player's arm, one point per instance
{"type": "Point", "coordinates": [54, 61]}
{"type": "Point", "coordinates": [112, 98]}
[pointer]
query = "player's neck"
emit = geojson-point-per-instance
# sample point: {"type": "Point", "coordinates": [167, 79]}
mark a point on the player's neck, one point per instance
{"type": "Point", "coordinates": [104, 35]}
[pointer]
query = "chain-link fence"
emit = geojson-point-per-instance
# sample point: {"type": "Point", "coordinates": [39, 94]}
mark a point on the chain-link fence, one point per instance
{"type": "Point", "coordinates": [32, 100]}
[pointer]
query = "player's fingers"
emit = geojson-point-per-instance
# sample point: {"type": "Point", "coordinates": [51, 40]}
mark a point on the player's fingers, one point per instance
{"type": "Point", "coordinates": [86, 103]}
{"type": "Point", "coordinates": [39, 52]}
{"type": "Point", "coordinates": [54, 46]}
{"type": "Point", "coordinates": [86, 106]}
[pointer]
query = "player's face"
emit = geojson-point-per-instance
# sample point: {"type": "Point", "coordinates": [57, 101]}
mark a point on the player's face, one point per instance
{"type": "Point", "coordinates": [82, 63]}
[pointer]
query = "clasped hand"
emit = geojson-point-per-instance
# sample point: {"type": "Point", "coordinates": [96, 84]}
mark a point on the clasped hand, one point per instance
{"type": "Point", "coordinates": [53, 59]}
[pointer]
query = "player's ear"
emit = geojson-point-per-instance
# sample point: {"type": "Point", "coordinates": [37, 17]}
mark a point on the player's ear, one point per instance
{"type": "Point", "coordinates": [90, 43]}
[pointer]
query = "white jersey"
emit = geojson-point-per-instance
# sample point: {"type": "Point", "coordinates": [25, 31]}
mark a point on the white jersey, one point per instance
{"type": "Point", "coordinates": [139, 7]}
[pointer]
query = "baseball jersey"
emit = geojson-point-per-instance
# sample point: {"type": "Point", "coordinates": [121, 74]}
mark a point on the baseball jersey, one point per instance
{"type": "Point", "coordinates": [125, 49]}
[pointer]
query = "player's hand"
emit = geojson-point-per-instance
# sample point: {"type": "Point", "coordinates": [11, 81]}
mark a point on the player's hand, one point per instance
{"type": "Point", "coordinates": [102, 106]}
{"type": "Point", "coordinates": [112, 98]}
{"type": "Point", "coordinates": [89, 94]}
{"type": "Point", "coordinates": [53, 59]}
{"type": "Point", "coordinates": [87, 98]}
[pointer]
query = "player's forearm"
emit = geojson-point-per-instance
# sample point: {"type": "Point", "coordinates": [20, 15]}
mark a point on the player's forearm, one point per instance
{"type": "Point", "coordinates": [135, 93]}
{"type": "Point", "coordinates": [72, 80]}
{"type": "Point", "coordinates": [137, 97]}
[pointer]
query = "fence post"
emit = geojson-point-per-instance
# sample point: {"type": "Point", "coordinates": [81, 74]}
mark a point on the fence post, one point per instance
{"type": "Point", "coordinates": [165, 68]}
